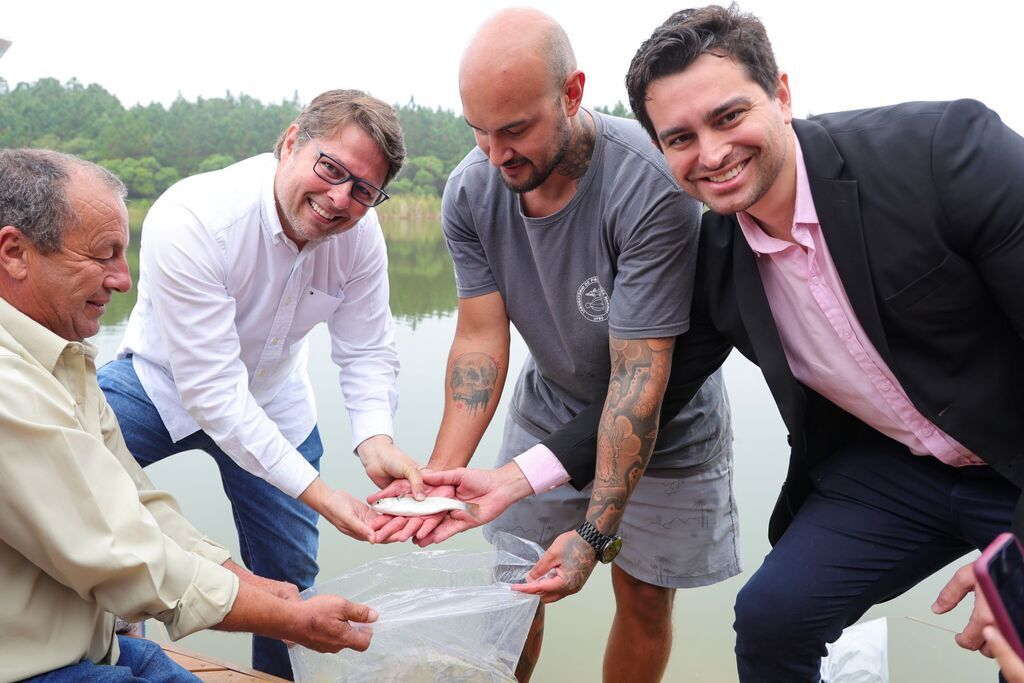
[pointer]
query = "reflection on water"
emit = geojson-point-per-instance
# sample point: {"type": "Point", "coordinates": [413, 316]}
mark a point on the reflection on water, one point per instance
{"type": "Point", "coordinates": [423, 300]}
{"type": "Point", "coordinates": [420, 271]}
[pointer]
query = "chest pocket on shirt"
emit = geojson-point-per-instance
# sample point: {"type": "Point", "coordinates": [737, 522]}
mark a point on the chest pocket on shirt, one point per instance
{"type": "Point", "coordinates": [313, 308]}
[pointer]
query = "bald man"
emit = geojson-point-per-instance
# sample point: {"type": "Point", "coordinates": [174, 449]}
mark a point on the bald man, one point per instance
{"type": "Point", "coordinates": [567, 223]}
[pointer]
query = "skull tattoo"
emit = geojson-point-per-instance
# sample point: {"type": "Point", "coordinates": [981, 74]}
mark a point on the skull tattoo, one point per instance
{"type": "Point", "coordinates": [472, 381]}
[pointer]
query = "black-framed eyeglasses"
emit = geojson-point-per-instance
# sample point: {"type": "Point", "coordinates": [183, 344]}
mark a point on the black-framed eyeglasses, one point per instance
{"type": "Point", "coordinates": [332, 171]}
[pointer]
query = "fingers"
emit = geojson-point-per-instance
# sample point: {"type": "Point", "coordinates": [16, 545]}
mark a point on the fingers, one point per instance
{"type": "Point", "coordinates": [1009, 663]}
{"type": "Point", "coordinates": [444, 478]}
{"type": "Point", "coordinates": [391, 531]}
{"type": "Point", "coordinates": [550, 589]}
{"type": "Point", "coordinates": [414, 475]}
{"type": "Point", "coordinates": [445, 530]}
{"type": "Point", "coordinates": [398, 487]}
{"type": "Point", "coordinates": [971, 638]}
{"type": "Point", "coordinates": [544, 565]}
{"type": "Point", "coordinates": [358, 612]}
{"type": "Point", "coordinates": [955, 590]}
{"type": "Point", "coordinates": [429, 524]}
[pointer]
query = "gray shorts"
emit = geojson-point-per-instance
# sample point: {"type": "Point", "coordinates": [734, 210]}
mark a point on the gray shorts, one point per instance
{"type": "Point", "coordinates": [677, 533]}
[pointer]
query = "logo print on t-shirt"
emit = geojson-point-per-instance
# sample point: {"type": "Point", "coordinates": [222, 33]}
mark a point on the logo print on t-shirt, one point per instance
{"type": "Point", "coordinates": [592, 300]}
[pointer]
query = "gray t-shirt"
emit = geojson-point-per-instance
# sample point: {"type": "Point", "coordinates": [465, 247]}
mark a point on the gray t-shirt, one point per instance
{"type": "Point", "coordinates": [618, 259]}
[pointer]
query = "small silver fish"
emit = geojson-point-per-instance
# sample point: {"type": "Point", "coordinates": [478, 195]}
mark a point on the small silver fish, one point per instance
{"type": "Point", "coordinates": [407, 506]}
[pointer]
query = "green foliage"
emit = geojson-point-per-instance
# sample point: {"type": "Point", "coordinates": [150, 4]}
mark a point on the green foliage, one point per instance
{"type": "Point", "coordinates": [620, 110]}
{"type": "Point", "coordinates": [151, 147]}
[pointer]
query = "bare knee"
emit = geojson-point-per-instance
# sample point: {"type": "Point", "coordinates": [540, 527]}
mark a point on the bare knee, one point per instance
{"type": "Point", "coordinates": [644, 602]}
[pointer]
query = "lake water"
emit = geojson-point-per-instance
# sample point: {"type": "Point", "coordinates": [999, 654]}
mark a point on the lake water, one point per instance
{"type": "Point", "coordinates": [423, 302]}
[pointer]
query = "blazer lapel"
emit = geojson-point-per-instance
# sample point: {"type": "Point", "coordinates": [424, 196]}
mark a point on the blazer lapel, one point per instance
{"type": "Point", "coordinates": [759, 324]}
{"type": "Point", "coordinates": [837, 204]}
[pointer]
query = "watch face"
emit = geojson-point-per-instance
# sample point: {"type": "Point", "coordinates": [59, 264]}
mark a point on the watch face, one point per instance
{"type": "Point", "coordinates": [611, 550]}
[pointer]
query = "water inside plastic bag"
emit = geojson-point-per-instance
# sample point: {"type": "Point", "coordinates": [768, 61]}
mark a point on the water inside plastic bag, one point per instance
{"type": "Point", "coordinates": [444, 615]}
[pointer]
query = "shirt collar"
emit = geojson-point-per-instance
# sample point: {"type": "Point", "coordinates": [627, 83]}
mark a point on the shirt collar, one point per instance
{"type": "Point", "coordinates": [803, 213]}
{"type": "Point", "coordinates": [271, 222]}
{"type": "Point", "coordinates": [39, 342]}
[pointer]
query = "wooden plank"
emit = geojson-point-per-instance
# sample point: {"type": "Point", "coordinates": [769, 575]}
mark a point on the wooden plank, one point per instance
{"type": "Point", "coordinates": [214, 670]}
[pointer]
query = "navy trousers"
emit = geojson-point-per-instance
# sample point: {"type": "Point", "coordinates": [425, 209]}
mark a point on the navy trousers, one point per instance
{"type": "Point", "coordinates": [879, 520]}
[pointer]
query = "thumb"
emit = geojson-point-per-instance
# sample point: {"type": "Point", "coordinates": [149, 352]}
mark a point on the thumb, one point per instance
{"type": "Point", "coordinates": [363, 614]}
{"type": "Point", "coordinates": [415, 477]}
{"type": "Point", "coordinates": [543, 566]}
{"type": "Point", "coordinates": [444, 477]}
{"type": "Point", "coordinates": [955, 590]}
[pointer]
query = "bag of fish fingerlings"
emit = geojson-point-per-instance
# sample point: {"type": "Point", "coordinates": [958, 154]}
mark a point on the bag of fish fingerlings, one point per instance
{"type": "Point", "coordinates": [444, 615]}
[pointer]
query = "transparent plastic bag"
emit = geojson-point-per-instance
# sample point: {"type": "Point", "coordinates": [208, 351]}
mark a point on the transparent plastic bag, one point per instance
{"type": "Point", "coordinates": [861, 655]}
{"type": "Point", "coordinates": [444, 615]}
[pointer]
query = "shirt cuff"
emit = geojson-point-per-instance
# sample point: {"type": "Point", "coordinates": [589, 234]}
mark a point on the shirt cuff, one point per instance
{"type": "Point", "coordinates": [211, 550]}
{"type": "Point", "coordinates": [292, 474]}
{"type": "Point", "coordinates": [541, 468]}
{"type": "Point", "coordinates": [367, 423]}
{"type": "Point", "coordinates": [207, 600]}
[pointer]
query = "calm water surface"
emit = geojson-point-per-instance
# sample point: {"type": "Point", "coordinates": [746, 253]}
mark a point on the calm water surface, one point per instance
{"type": "Point", "coordinates": [423, 302]}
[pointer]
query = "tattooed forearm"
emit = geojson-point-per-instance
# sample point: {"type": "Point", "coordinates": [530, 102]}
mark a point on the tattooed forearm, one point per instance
{"type": "Point", "coordinates": [629, 424]}
{"type": "Point", "coordinates": [472, 380]}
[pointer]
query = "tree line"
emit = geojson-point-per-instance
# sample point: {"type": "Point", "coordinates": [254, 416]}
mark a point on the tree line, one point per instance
{"type": "Point", "coordinates": [150, 147]}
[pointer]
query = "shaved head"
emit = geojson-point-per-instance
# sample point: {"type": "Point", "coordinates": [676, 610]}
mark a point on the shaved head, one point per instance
{"type": "Point", "coordinates": [521, 93]}
{"type": "Point", "coordinates": [518, 41]}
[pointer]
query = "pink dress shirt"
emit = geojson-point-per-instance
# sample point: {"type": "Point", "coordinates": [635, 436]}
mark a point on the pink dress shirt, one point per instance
{"type": "Point", "coordinates": [827, 349]}
{"type": "Point", "coordinates": [825, 345]}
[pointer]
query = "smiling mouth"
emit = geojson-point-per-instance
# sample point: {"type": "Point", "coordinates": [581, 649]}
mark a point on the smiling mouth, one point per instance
{"type": "Point", "coordinates": [320, 211]}
{"type": "Point", "coordinates": [728, 175]}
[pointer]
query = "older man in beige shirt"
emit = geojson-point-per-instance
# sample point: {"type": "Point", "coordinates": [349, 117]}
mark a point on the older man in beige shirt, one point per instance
{"type": "Point", "coordinates": [84, 535]}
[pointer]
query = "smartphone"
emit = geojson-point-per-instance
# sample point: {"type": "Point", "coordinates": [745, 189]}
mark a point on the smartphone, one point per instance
{"type": "Point", "coordinates": [1000, 575]}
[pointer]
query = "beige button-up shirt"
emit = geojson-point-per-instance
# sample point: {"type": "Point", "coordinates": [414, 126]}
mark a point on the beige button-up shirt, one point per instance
{"type": "Point", "coordinates": [83, 533]}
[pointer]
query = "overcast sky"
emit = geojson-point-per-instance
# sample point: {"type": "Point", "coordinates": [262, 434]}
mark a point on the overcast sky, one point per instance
{"type": "Point", "coordinates": [839, 55]}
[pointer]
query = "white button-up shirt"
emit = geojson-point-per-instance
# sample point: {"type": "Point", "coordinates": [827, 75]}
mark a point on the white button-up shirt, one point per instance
{"type": "Point", "coordinates": [226, 300]}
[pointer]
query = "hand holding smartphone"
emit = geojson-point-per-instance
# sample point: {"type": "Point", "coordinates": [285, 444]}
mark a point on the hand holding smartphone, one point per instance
{"type": "Point", "coordinates": [1000, 575]}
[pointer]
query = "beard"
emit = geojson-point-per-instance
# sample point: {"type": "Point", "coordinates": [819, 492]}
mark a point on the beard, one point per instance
{"type": "Point", "coordinates": [541, 173]}
{"type": "Point", "coordinates": [294, 222]}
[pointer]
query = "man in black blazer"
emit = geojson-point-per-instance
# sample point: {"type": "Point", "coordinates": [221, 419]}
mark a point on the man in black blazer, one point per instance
{"type": "Point", "coordinates": [871, 263]}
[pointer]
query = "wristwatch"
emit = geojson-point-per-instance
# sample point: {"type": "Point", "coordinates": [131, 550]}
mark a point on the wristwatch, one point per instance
{"type": "Point", "coordinates": [607, 547]}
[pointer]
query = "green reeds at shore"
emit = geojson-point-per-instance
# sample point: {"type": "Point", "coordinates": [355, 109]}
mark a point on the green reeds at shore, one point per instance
{"type": "Point", "coordinates": [415, 209]}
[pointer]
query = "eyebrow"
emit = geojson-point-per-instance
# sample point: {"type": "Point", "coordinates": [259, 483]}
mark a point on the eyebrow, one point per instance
{"type": "Point", "coordinates": [710, 116]}
{"type": "Point", "coordinates": [513, 124]}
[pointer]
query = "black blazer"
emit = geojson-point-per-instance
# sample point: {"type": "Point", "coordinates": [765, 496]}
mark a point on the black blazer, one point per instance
{"type": "Point", "coordinates": [922, 207]}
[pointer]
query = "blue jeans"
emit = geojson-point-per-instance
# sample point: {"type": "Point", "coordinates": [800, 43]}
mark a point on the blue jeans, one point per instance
{"type": "Point", "coordinates": [141, 661]}
{"type": "Point", "coordinates": [277, 534]}
{"type": "Point", "coordinates": [878, 521]}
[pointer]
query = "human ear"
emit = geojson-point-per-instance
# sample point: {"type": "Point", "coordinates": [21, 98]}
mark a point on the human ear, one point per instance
{"type": "Point", "coordinates": [13, 252]}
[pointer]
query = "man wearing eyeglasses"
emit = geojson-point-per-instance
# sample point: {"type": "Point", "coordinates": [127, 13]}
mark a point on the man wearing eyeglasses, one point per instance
{"type": "Point", "coordinates": [236, 267]}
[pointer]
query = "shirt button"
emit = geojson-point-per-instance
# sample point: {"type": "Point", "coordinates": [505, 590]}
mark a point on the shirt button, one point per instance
{"type": "Point", "coordinates": [275, 341]}
{"type": "Point", "coordinates": [288, 300]}
{"type": "Point", "coordinates": [887, 386]}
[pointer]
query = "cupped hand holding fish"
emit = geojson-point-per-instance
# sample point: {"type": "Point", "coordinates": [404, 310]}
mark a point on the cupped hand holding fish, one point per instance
{"type": "Point", "coordinates": [389, 528]}
{"type": "Point", "coordinates": [385, 463]}
{"type": "Point", "coordinates": [563, 569]}
{"type": "Point", "coordinates": [348, 514]}
{"type": "Point", "coordinates": [489, 491]}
